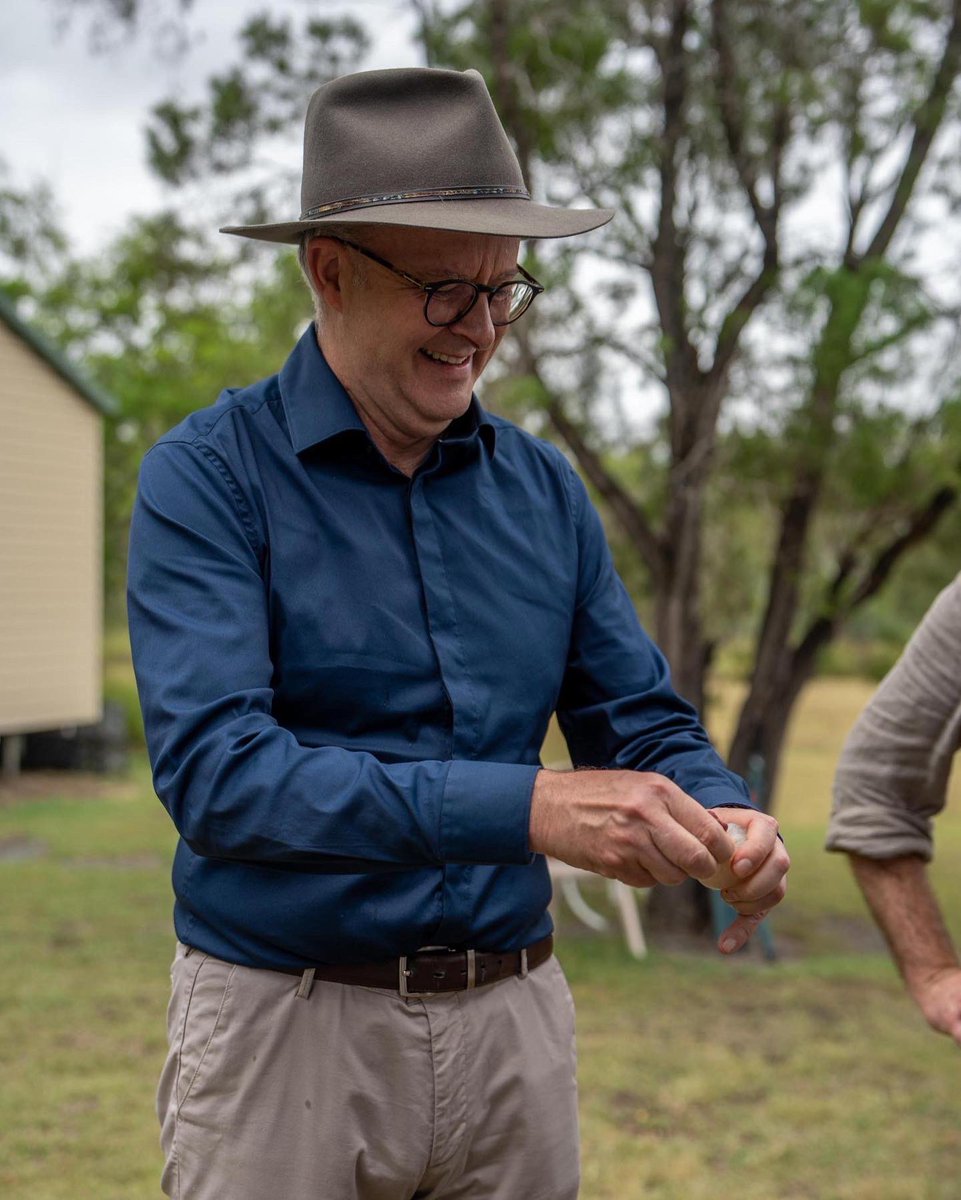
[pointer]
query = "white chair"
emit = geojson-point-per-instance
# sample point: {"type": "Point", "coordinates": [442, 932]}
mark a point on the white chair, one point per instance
{"type": "Point", "coordinates": [566, 880]}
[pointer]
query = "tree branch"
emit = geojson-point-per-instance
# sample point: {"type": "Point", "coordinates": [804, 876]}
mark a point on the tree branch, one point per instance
{"type": "Point", "coordinates": [737, 317]}
{"type": "Point", "coordinates": [765, 216]}
{"type": "Point", "coordinates": [920, 523]}
{"type": "Point", "coordinates": [668, 266]}
{"type": "Point", "coordinates": [725, 83]}
{"type": "Point", "coordinates": [824, 627]}
{"type": "Point", "coordinates": [506, 90]}
{"type": "Point", "coordinates": [926, 123]}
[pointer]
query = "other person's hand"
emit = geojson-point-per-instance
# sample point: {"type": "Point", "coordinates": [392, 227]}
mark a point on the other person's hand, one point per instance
{"type": "Point", "coordinates": [938, 995]}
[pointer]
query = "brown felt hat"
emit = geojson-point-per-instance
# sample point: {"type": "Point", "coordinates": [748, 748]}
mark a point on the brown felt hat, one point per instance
{"type": "Point", "coordinates": [416, 147]}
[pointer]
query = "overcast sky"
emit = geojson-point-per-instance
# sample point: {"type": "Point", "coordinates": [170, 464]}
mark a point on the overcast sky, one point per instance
{"type": "Point", "coordinates": [77, 120]}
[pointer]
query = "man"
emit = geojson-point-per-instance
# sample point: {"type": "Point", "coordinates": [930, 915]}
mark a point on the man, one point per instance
{"type": "Point", "coordinates": [891, 781]}
{"type": "Point", "coordinates": [355, 601]}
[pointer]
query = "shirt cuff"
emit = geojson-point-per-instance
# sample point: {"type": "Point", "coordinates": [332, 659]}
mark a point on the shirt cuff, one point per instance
{"type": "Point", "coordinates": [486, 813]}
{"type": "Point", "coordinates": [721, 797]}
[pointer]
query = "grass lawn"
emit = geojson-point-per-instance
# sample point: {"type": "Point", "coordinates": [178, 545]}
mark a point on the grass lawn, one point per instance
{"type": "Point", "coordinates": [813, 1077]}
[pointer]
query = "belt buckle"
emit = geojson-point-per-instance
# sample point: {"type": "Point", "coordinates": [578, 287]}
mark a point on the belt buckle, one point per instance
{"type": "Point", "coordinates": [404, 974]}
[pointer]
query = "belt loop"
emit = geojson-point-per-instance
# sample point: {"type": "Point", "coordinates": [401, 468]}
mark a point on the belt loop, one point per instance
{"type": "Point", "coordinates": [471, 968]}
{"type": "Point", "coordinates": [306, 984]}
{"type": "Point", "coordinates": [523, 971]}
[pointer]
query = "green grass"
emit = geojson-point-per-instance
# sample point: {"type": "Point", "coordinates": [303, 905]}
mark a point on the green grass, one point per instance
{"type": "Point", "coordinates": [700, 1076]}
{"type": "Point", "coordinates": [700, 1079]}
{"type": "Point", "coordinates": [119, 685]}
{"type": "Point", "coordinates": [84, 946]}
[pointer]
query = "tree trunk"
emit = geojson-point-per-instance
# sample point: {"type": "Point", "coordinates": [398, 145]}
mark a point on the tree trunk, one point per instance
{"type": "Point", "coordinates": [756, 749]}
{"type": "Point", "coordinates": [679, 623]}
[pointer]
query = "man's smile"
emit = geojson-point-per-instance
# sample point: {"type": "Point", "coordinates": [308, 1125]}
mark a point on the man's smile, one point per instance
{"type": "Point", "coordinates": [446, 358]}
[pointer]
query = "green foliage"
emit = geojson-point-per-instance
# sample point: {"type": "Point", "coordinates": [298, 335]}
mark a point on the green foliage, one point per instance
{"type": "Point", "coordinates": [110, 23]}
{"type": "Point", "coordinates": [264, 94]}
{"type": "Point", "coordinates": [852, 655]}
{"type": "Point", "coordinates": [170, 141]}
{"type": "Point", "coordinates": [32, 242]}
{"type": "Point", "coordinates": [892, 617]}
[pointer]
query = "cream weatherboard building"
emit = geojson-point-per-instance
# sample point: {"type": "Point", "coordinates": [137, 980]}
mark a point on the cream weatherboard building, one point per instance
{"type": "Point", "coordinates": [51, 538]}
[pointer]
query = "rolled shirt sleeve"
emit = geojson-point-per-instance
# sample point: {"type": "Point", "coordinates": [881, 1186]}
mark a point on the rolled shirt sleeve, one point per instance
{"type": "Point", "coordinates": [893, 772]}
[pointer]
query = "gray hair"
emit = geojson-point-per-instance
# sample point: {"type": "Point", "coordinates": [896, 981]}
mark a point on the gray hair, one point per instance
{"type": "Point", "coordinates": [348, 232]}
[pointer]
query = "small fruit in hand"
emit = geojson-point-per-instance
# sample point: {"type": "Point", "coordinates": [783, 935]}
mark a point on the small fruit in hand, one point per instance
{"type": "Point", "coordinates": [724, 877]}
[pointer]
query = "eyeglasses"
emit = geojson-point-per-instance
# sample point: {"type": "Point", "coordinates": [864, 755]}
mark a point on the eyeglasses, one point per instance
{"type": "Point", "coordinates": [450, 300]}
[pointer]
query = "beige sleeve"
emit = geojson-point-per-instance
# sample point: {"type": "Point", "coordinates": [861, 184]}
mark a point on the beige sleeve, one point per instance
{"type": "Point", "coordinates": [893, 772]}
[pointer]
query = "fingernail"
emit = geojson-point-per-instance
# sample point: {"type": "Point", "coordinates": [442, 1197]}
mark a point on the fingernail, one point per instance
{"type": "Point", "coordinates": [728, 944]}
{"type": "Point", "coordinates": [743, 867]}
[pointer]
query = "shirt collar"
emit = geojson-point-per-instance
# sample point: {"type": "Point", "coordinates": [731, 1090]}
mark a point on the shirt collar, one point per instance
{"type": "Point", "coordinates": [318, 408]}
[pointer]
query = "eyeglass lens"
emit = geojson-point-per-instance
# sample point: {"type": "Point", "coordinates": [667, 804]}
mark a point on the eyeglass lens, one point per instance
{"type": "Point", "coordinates": [446, 305]}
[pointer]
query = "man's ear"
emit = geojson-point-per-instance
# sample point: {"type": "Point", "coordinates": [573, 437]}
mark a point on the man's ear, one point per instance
{"type": "Point", "coordinates": [327, 265]}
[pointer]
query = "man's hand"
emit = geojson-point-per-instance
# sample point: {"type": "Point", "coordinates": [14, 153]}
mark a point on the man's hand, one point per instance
{"type": "Point", "coordinates": [761, 863]}
{"type": "Point", "coordinates": [633, 826]}
{"type": "Point", "coordinates": [938, 995]}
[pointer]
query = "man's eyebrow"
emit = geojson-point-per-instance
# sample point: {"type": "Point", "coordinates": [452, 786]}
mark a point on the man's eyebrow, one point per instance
{"type": "Point", "coordinates": [504, 276]}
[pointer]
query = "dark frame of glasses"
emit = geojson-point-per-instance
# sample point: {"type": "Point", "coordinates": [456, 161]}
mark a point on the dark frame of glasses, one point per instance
{"type": "Point", "coordinates": [534, 289]}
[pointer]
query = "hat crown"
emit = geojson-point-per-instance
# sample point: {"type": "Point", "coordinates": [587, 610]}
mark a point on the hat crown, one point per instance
{"type": "Point", "coordinates": [404, 134]}
{"type": "Point", "coordinates": [417, 147]}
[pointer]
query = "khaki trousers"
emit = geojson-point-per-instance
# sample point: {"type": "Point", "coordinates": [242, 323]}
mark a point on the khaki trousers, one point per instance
{"type": "Point", "coordinates": [353, 1093]}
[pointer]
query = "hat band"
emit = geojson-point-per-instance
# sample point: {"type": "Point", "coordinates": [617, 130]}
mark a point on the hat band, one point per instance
{"type": "Point", "coordinates": [458, 193]}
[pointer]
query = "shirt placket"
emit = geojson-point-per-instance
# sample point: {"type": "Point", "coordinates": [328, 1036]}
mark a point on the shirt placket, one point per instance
{"type": "Point", "coordinates": [443, 620]}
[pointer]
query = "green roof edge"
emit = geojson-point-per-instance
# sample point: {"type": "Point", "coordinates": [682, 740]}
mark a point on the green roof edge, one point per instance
{"type": "Point", "coordinates": [56, 359]}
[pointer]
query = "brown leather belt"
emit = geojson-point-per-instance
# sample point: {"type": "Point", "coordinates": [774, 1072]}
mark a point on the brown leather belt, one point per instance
{"type": "Point", "coordinates": [432, 971]}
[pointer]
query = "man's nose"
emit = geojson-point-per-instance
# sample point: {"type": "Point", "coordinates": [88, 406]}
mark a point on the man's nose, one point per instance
{"type": "Point", "coordinates": [477, 324]}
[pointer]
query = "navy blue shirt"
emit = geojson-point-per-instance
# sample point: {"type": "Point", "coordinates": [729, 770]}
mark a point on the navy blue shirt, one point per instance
{"type": "Point", "coordinates": [347, 674]}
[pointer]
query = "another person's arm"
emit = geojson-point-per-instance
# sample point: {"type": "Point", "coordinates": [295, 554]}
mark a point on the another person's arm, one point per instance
{"type": "Point", "coordinates": [906, 909]}
{"type": "Point", "coordinates": [891, 781]}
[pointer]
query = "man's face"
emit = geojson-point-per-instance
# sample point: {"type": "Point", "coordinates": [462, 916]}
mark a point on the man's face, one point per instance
{"type": "Point", "coordinates": [411, 378]}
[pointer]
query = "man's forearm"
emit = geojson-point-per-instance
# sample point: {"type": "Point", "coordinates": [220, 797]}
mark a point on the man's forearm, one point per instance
{"type": "Point", "coordinates": [906, 909]}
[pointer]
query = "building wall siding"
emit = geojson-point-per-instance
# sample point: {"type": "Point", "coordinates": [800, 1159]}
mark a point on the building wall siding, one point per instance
{"type": "Point", "coordinates": [51, 484]}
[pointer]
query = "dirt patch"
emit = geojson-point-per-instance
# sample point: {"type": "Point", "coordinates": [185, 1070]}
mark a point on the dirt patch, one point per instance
{"type": "Point", "coordinates": [829, 933]}
{"type": "Point", "coordinates": [146, 861]}
{"type": "Point", "coordinates": [856, 934]}
{"type": "Point", "coordinates": [19, 848]}
{"type": "Point", "coordinates": [47, 785]}
{"type": "Point", "coordinates": [790, 940]}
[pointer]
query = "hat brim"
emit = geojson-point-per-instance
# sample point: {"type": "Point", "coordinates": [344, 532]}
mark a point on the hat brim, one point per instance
{"type": "Point", "coordinates": [504, 218]}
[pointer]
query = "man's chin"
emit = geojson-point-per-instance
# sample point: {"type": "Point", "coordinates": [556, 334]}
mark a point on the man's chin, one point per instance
{"type": "Point", "coordinates": [449, 405]}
